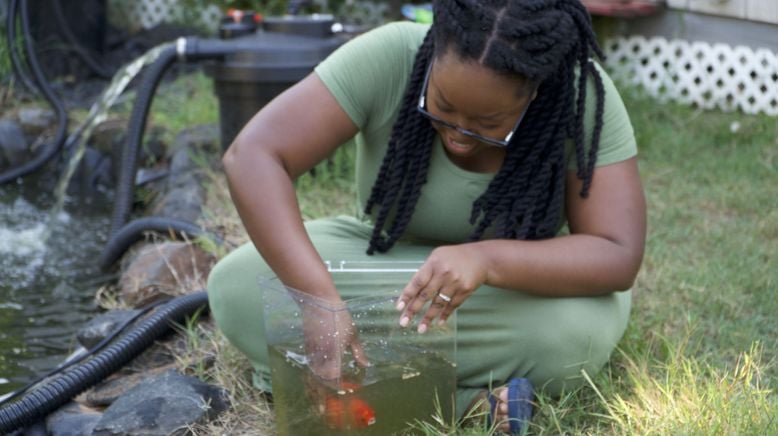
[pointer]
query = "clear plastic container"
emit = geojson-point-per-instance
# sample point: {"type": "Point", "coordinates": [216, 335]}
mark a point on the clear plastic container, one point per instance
{"type": "Point", "coordinates": [319, 387]}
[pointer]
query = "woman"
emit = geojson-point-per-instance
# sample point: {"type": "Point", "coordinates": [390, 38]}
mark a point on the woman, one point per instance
{"type": "Point", "coordinates": [478, 138]}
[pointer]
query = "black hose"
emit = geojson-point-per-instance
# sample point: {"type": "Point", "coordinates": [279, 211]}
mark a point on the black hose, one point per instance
{"type": "Point", "coordinates": [79, 357]}
{"type": "Point", "coordinates": [128, 164]}
{"type": "Point", "coordinates": [48, 150]}
{"type": "Point", "coordinates": [195, 49]}
{"type": "Point", "coordinates": [120, 241]}
{"type": "Point", "coordinates": [16, 63]}
{"type": "Point", "coordinates": [85, 56]}
{"type": "Point", "coordinates": [49, 397]}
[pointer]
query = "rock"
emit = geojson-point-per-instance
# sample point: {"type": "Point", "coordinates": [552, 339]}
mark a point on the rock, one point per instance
{"type": "Point", "coordinates": [109, 135]}
{"type": "Point", "coordinates": [181, 166]}
{"type": "Point", "coordinates": [184, 195]}
{"type": "Point", "coordinates": [13, 145]}
{"type": "Point", "coordinates": [153, 147]}
{"type": "Point", "coordinates": [72, 419]}
{"type": "Point", "coordinates": [162, 405]}
{"type": "Point", "coordinates": [148, 175]}
{"type": "Point", "coordinates": [101, 326]}
{"type": "Point", "coordinates": [183, 203]}
{"type": "Point", "coordinates": [204, 137]}
{"type": "Point", "coordinates": [160, 269]}
{"type": "Point", "coordinates": [105, 393]}
{"type": "Point", "coordinates": [94, 171]}
{"type": "Point", "coordinates": [35, 120]}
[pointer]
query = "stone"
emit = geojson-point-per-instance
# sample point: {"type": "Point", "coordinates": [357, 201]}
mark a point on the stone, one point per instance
{"type": "Point", "coordinates": [160, 270]}
{"type": "Point", "coordinates": [105, 393]}
{"type": "Point", "coordinates": [36, 120]}
{"type": "Point", "coordinates": [101, 326]}
{"type": "Point", "coordinates": [183, 203]}
{"type": "Point", "coordinates": [13, 145]}
{"type": "Point", "coordinates": [148, 175]}
{"type": "Point", "coordinates": [95, 171]}
{"type": "Point", "coordinates": [154, 146]}
{"type": "Point", "coordinates": [204, 137]}
{"type": "Point", "coordinates": [184, 194]}
{"type": "Point", "coordinates": [162, 405]}
{"type": "Point", "coordinates": [109, 135]}
{"type": "Point", "coordinates": [72, 419]}
{"type": "Point", "coordinates": [160, 355]}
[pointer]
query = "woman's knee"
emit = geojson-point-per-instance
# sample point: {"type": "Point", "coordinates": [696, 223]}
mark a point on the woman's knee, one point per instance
{"type": "Point", "coordinates": [235, 300]}
{"type": "Point", "coordinates": [562, 356]}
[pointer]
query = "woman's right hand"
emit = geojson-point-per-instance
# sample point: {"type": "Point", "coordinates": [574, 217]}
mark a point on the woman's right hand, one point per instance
{"type": "Point", "coordinates": [328, 335]}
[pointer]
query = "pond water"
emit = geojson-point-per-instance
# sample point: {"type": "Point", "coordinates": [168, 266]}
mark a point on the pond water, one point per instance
{"type": "Point", "coordinates": [48, 276]}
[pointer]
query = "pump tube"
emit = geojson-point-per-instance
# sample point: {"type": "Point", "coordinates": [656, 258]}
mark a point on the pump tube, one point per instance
{"type": "Point", "coordinates": [186, 49]}
{"type": "Point", "coordinates": [49, 397]}
{"type": "Point", "coordinates": [49, 150]}
{"type": "Point", "coordinates": [132, 232]}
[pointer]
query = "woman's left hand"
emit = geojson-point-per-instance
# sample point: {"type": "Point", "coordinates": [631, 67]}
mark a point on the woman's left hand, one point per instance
{"type": "Point", "coordinates": [447, 278]}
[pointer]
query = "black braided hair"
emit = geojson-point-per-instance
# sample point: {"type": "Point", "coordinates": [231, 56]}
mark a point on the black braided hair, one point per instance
{"type": "Point", "coordinates": [542, 41]}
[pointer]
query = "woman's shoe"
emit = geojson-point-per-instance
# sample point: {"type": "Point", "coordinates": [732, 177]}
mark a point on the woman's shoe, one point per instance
{"type": "Point", "coordinates": [520, 398]}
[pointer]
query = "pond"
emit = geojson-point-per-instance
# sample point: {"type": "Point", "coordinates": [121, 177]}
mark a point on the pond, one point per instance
{"type": "Point", "coordinates": [48, 276]}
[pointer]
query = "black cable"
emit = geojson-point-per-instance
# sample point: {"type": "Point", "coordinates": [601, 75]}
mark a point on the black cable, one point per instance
{"type": "Point", "coordinates": [195, 50]}
{"type": "Point", "coordinates": [10, 40]}
{"type": "Point", "coordinates": [40, 402]}
{"type": "Point", "coordinates": [85, 56]}
{"type": "Point", "coordinates": [120, 241]}
{"type": "Point", "coordinates": [97, 347]}
{"type": "Point", "coordinates": [51, 149]}
{"type": "Point", "coordinates": [128, 163]}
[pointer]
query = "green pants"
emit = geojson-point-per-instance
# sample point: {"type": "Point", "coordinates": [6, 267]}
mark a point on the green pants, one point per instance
{"type": "Point", "coordinates": [501, 334]}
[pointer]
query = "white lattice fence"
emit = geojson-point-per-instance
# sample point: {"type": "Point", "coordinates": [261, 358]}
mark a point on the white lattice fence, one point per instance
{"type": "Point", "coordinates": [145, 14]}
{"type": "Point", "coordinates": [707, 75]}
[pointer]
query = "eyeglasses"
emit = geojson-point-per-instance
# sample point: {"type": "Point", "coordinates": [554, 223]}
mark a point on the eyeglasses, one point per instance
{"type": "Point", "coordinates": [491, 141]}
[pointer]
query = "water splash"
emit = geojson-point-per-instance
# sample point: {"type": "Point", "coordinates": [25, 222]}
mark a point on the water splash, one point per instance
{"type": "Point", "coordinates": [22, 243]}
{"type": "Point", "coordinates": [97, 114]}
{"type": "Point", "coordinates": [19, 239]}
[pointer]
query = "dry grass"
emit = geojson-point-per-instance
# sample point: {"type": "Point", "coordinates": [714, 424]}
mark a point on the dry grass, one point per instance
{"type": "Point", "coordinates": [211, 358]}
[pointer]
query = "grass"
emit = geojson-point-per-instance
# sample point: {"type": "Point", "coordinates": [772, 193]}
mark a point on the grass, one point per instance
{"type": "Point", "coordinates": [187, 101]}
{"type": "Point", "coordinates": [698, 355]}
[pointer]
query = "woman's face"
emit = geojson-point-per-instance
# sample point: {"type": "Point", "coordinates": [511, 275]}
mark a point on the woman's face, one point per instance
{"type": "Point", "coordinates": [472, 97]}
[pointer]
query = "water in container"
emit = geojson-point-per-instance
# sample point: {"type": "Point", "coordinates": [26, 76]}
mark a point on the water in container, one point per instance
{"type": "Point", "coordinates": [319, 384]}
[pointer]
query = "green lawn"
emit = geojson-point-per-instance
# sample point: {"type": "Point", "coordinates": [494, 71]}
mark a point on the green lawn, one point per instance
{"type": "Point", "coordinates": [699, 354]}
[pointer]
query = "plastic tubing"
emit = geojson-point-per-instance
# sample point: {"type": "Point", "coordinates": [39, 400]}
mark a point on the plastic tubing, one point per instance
{"type": "Point", "coordinates": [127, 235]}
{"type": "Point", "coordinates": [128, 164]}
{"type": "Point", "coordinates": [10, 39]}
{"type": "Point", "coordinates": [188, 49]}
{"type": "Point", "coordinates": [49, 150]}
{"type": "Point", "coordinates": [59, 390]}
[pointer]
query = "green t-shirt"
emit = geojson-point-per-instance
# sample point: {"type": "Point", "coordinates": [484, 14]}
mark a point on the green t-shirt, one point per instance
{"type": "Point", "coordinates": [368, 76]}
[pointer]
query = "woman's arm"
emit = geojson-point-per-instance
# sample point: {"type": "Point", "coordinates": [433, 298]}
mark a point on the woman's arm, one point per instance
{"type": "Point", "coordinates": [602, 254]}
{"type": "Point", "coordinates": [289, 136]}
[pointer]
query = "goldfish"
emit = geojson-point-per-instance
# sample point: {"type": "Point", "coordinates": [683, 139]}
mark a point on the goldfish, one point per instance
{"type": "Point", "coordinates": [346, 412]}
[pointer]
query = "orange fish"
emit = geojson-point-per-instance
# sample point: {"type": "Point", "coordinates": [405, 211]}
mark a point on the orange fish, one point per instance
{"type": "Point", "coordinates": [347, 412]}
